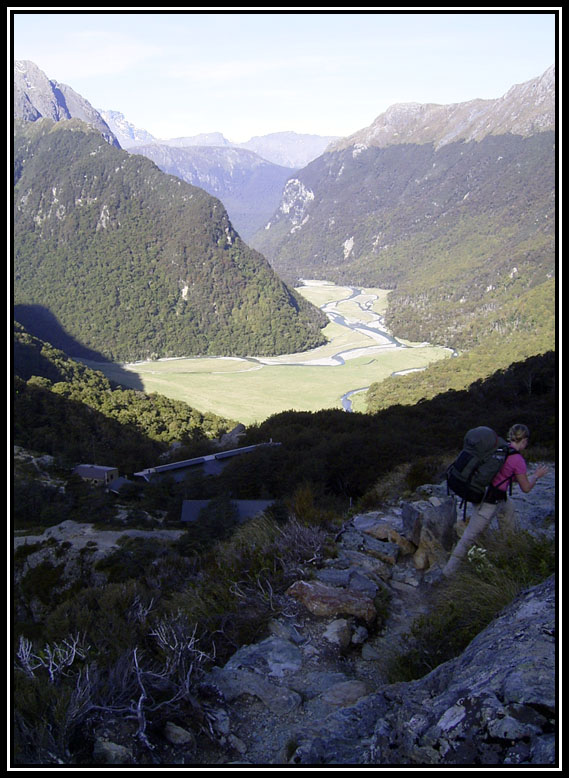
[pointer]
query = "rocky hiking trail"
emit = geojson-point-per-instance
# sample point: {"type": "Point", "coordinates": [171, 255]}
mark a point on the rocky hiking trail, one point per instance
{"type": "Point", "coordinates": [316, 689]}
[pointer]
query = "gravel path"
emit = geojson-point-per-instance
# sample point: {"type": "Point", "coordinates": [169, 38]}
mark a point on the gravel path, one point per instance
{"type": "Point", "coordinates": [79, 535]}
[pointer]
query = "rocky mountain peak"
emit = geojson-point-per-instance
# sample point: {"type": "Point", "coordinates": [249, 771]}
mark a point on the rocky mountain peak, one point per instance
{"type": "Point", "coordinates": [202, 139]}
{"type": "Point", "coordinates": [128, 135]}
{"type": "Point", "coordinates": [524, 110]}
{"type": "Point", "coordinates": [38, 97]}
{"type": "Point", "coordinates": [289, 149]}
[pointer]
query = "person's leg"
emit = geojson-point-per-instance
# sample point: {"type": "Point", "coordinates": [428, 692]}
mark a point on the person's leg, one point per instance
{"type": "Point", "coordinates": [507, 517]}
{"type": "Point", "coordinates": [480, 519]}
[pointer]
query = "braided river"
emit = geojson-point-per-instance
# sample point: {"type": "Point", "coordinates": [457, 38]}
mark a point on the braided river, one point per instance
{"type": "Point", "coordinates": [359, 351]}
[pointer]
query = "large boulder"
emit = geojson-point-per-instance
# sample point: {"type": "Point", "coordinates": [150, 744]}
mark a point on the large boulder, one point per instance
{"type": "Point", "coordinates": [430, 524]}
{"type": "Point", "coordinates": [323, 600]}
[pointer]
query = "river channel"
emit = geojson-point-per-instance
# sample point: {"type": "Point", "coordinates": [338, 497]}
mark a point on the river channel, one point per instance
{"type": "Point", "coordinates": [372, 325]}
{"type": "Point", "coordinates": [368, 323]}
{"type": "Point", "coordinates": [359, 351]}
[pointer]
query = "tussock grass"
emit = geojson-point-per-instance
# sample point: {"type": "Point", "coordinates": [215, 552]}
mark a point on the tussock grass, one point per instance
{"type": "Point", "coordinates": [156, 628]}
{"type": "Point", "coordinates": [242, 578]}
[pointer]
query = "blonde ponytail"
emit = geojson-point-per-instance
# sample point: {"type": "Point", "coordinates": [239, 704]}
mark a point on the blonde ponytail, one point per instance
{"type": "Point", "coordinates": [518, 433]}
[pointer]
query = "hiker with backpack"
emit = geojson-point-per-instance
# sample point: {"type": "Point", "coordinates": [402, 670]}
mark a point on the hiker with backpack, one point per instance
{"type": "Point", "coordinates": [483, 474]}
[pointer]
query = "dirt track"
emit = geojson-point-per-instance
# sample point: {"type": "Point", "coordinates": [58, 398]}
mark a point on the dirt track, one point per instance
{"type": "Point", "coordinates": [79, 535]}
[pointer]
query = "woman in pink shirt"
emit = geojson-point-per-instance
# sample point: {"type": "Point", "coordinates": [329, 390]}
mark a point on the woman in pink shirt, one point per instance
{"type": "Point", "coordinates": [514, 470]}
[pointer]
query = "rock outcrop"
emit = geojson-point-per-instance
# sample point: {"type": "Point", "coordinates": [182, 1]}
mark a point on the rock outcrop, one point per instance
{"type": "Point", "coordinates": [37, 97]}
{"type": "Point", "coordinates": [493, 705]}
{"type": "Point", "coordinates": [525, 109]}
{"type": "Point", "coordinates": [315, 691]}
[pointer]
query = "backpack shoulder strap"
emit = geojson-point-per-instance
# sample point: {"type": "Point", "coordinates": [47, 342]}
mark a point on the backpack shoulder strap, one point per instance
{"type": "Point", "coordinates": [510, 478]}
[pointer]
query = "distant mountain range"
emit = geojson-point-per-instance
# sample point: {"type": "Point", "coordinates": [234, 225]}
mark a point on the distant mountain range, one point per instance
{"type": "Point", "coordinates": [453, 207]}
{"type": "Point", "coordinates": [249, 187]}
{"type": "Point", "coordinates": [286, 149]}
{"type": "Point", "coordinates": [247, 177]}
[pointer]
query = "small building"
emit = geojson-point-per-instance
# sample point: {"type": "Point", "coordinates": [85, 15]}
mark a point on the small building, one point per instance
{"type": "Point", "coordinates": [98, 475]}
{"type": "Point", "coordinates": [124, 487]}
{"type": "Point", "coordinates": [246, 509]}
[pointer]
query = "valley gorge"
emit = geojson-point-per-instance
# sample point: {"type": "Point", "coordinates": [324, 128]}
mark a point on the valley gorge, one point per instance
{"type": "Point", "coordinates": [357, 352]}
{"type": "Point", "coordinates": [321, 632]}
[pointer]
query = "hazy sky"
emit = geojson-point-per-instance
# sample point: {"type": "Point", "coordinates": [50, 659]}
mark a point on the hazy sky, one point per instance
{"type": "Point", "coordinates": [247, 73]}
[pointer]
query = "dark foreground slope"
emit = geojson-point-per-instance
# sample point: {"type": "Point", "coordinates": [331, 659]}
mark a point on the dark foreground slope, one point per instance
{"type": "Point", "coordinates": [153, 624]}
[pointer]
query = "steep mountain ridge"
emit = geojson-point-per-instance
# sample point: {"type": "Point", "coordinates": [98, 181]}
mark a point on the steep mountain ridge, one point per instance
{"type": "Point", "coordinates": [37, 97]}
{"type": "Point", "coordinates": [135, 263]}
{"type": "Point", "coordinates": [525, 109]}
{"type": "Point", "coordinates": [458, 227]}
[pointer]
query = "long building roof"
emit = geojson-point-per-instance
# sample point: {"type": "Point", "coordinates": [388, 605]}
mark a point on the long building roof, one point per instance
{"type": "Point", "coordinates": [209, 458]}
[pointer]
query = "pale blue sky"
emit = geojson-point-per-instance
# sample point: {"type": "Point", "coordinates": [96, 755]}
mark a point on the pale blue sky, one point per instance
{"type": "Point", "coordinates": [249, 73]}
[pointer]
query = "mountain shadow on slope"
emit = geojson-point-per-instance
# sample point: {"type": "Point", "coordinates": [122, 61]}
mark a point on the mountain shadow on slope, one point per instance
{"type": "Point", "coordinates": [43, 324]}
{"type": "Point", "coordinates": [66, 409]}
{"type": "Point", "coordinates": [39, 322]}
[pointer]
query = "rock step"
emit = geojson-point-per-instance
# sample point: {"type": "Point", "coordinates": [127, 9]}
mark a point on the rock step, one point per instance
{"type": "Point", "coordinates": [322, 661]}
{"type": "Point", "coordinates": [314, 690]}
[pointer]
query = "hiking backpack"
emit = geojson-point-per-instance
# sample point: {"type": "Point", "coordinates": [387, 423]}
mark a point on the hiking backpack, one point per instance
{"type": "Point", "coordinates": [472, 472]}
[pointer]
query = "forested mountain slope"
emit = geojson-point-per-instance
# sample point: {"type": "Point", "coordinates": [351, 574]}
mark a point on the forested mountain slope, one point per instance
{"type": "Point", "coordinates": [69, 411]}
{"type": "Point", "coordinates": [132, 263]}
{"type": "Point", "coordinates": [451, 207]}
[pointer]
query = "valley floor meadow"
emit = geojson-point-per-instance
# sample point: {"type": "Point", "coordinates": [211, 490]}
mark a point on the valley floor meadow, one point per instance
{"type": "Point", "coordinates": [358, 353]}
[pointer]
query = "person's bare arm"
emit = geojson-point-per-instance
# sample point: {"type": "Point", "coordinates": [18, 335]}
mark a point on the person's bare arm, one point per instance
{"type": "Point", "coordinates": [528, 482]}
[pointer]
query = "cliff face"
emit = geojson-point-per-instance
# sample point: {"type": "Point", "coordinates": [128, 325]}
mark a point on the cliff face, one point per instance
{"type": "Point", "coordinates": [38, 97]}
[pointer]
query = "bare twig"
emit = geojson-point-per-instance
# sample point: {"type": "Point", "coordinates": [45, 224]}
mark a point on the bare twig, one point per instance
{"type": "Point", "coordinates": [139, 709]}
{"type": "Point", "coordinates": [55, 659]}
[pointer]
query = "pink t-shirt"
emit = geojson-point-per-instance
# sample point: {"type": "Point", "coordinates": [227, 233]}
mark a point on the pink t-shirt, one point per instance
{"type": "Point", "coordinates": [514, 465]}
